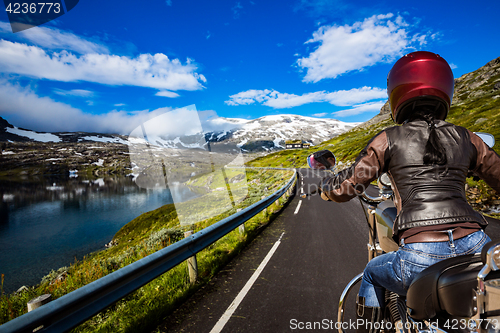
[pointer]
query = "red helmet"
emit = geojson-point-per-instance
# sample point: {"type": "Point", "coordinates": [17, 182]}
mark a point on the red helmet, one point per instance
{"type": "Point", "coordinates": [422, 77]}
{"type": "Point", "coordinates": [321, 160]}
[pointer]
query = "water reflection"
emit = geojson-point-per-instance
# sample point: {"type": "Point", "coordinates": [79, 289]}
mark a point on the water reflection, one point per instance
{"type": "Point", "coordinates": [46, 224]}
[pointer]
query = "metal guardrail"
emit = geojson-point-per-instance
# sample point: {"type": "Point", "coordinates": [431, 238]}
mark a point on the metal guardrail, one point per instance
{"type": "Point", "coordinates": [74, 308]}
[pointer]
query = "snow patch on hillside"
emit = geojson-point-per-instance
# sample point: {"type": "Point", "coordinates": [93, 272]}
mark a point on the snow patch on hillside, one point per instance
{"type": "Point", "coordinates": [104, 139]}
{"type": "Point", "coordinates": [42, 137]}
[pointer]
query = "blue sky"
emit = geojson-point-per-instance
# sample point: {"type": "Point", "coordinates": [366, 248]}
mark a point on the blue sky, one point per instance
{"type": "Point", "coordinates": [106, 66]}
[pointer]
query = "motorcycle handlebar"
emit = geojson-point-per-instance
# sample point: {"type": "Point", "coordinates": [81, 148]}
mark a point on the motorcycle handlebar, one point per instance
{"type": "Point", "coordinates": [385, 192]}
{"type": "Point", "coordinates": [374, 200]}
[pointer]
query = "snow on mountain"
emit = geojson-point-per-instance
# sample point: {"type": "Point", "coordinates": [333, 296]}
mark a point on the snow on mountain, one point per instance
{"type": "Point", "coordinates": [267, 133]}
{"type": "Point", "coordinates": [271, 132]}
{"type": "Point", "coordinates": [12, 133]}
{"type": "Point", "coordinates": [41, 137]}
{"type": "Point", "coordinates": [97, 138]}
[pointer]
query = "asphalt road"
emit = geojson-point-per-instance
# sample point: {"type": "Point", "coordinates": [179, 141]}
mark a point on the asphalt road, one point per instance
{"type": "Point", "coordinates": [318, 248]}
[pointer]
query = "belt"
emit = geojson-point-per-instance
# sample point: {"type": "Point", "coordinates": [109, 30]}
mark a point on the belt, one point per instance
{"type": "Point", "coordinates": [438, 236]}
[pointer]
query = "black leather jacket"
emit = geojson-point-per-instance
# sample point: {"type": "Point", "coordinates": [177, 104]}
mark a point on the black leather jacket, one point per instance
{"type": "Point", "coordinates": [425, 195]}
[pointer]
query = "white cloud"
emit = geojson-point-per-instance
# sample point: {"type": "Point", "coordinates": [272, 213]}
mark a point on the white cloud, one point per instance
{"type": "Point", "coordinates": [120, 104]}
{"type": "Point", "coordinates": [358, 109]}
{"type": "Point", "coordinates": [211, 122]}
{"type": "Point", "coordinates": [74, 92]}
{"type": "Point", "coordinates": [24, 108]}
{"type": "Point", "coordinates": [55, 39]}
{"type": "Point", "coordinates": [279, 100]}
{"type": "Point", "coordinates": [146, 70]}
{"type": "Point", "coordinates": [166, 93]}
{"type": "Point", "coordinates": [283, 100]}
{"type": "Point", "coordinates": [380, 38]}
{"type": "Point", "coordinates": [249, 97]}
{"type": "Point", "coordinates": [355, 96]}
{"type": "Point", "coordinates": [319, 115]}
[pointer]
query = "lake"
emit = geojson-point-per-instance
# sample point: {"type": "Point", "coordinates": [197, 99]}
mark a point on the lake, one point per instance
{"type": "Point", "coordinates": [48, 223]}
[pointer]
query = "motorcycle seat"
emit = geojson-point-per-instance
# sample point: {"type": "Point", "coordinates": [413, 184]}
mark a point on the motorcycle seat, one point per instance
{"type": "Point", "coordinates": [447, 286]}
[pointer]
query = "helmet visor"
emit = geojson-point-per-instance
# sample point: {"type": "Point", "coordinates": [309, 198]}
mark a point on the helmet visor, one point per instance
{"type": "Point", "coordinates": [313, 164]}
{"type": "Point", "coordinates": [321, 160]}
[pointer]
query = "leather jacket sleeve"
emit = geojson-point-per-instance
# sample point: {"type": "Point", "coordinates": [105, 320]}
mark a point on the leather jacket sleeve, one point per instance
{"type": "Point", "coordinates": [353, 181]}
{"type": "Point", "coordinates": [487, 163]}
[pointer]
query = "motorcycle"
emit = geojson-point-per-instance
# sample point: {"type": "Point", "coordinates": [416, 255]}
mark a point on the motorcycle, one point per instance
{"type": "Point", "coordinates": [459, 294]}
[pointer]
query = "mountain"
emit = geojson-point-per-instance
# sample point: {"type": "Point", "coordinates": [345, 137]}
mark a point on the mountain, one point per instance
{"type": "Point", "coordinates": [476, 101]}
{"type": "Point", "coordinates": [484, 81]}
{"type": "Point", "coordinates": [271, 132]}
{"type": "Point", "coordinates": [25, 153]}
{"type": "Point", "coordinates": [267, 133]}
{"type": "Point", "coordinates": [12, 133]}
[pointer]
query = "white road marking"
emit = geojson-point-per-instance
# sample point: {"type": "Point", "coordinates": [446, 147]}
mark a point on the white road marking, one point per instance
{"type": "Point", "coordinates": [301, 190]}
{"type": "Point", "coordinates": [234, 305]}
{"type": "Point", "coordinates": [298, 207]}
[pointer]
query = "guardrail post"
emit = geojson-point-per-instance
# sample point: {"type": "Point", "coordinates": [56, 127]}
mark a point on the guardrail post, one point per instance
{"type": "Point", "coordinates": [192, 263]}
{"type": "Point", "coordinates": [39, 301]}
{"type": "Point", "coordinates": [241, 228]}
{"type": "Point", "coordinates": [267, 208]}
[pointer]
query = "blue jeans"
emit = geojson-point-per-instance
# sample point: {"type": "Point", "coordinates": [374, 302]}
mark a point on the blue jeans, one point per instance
{"type": "Point", "coordinates": [396, 270]}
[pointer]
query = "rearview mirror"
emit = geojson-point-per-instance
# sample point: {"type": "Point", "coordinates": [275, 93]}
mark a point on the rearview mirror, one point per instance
{"type": "Point", "coordinates": [321, 160]}
{"type": "Point", "coordinates": [487, 138]}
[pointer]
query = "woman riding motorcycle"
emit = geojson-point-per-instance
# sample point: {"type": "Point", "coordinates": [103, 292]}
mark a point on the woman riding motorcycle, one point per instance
{"type": "Point", "coordinates": [427, 160]}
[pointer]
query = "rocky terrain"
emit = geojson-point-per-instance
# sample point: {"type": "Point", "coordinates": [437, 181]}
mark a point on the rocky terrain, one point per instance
{"type": "Point", "coordinates": [26, 154]}
{"type": "Point", "coordinates": [30, 159]}
{"type": "Point", "coordinates": [269, 133]}
{"type": "Point", "coordinates": [481, 82]}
